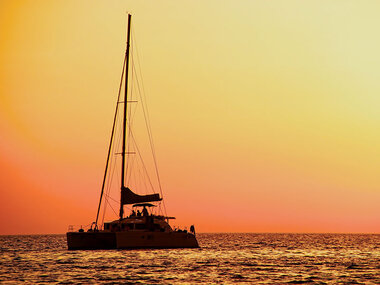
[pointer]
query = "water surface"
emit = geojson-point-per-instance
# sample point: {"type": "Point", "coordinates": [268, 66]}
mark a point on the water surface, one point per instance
{"type": "Point", "coordinates": [222, 258]}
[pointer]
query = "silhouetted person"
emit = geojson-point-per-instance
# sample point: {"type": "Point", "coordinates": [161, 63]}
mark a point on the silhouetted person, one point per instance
{"type": "Point", "coordinates": [138, 213]}
{"type": "Point", "coordinates": [133, 213]}
{"type": "Point", "coordinates": [145, 212]}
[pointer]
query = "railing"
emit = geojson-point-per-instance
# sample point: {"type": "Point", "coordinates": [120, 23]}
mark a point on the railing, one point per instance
{"type": "Point", "coordinates": [77, 228]}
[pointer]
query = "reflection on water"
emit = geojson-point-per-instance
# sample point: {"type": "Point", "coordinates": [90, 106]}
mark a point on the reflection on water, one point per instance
{"type": "Point", "coordinates": [222, 258]}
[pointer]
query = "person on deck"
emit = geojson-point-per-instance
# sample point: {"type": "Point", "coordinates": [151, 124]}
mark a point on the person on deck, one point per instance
{"type": "Point", "coordinates": [138, 213]}
{"type": "Point", "coordinates": [145, 212]}
{"type": "Point", "coordinates": [133, 214]}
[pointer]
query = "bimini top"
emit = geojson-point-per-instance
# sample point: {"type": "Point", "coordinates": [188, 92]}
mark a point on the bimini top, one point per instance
{"type": "Point", "coordinates": [144, 205]}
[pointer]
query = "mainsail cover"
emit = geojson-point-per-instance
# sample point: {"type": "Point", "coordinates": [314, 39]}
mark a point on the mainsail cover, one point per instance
{"type": "Point", "coordinates": [128, 197]}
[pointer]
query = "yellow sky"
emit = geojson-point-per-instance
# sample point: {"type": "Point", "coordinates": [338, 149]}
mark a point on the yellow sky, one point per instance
{"type": "Point", "coordinates": [265, 114]}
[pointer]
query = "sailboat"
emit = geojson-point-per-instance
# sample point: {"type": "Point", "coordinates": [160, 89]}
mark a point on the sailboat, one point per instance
{"type": "Point", "coordinates": [142, 228]}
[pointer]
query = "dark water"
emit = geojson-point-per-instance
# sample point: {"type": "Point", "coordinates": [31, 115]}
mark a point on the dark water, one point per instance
{"type": "Point", "coordinates": [223, 258]}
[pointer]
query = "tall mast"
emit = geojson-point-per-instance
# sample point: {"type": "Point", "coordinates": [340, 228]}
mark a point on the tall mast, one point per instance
{"type": "Point", "coordinates": [125, 112]}
{"type": "Point", "coordinates": [110, 146]}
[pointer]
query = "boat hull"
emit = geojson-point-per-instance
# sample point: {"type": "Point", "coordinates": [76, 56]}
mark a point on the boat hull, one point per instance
{"type": "Point", "coordinates": [91, 240]}
{"type": "Point", "coordinates": [130, 240]}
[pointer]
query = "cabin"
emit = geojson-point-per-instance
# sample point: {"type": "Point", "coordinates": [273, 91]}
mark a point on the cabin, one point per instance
{"type": "Point", "coordinates": [146, 221]}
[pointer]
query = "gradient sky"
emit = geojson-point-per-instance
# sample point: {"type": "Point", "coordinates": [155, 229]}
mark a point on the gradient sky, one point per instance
{"type": "Point", "coordinates": [265, 114]}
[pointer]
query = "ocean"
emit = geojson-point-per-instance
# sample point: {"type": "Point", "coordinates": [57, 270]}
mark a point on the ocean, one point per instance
{"type": "Point", "coordinates": [243, 258]}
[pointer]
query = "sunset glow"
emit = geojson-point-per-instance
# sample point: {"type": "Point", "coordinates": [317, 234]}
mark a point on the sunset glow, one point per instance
{"type": "Point", "coordinates": [265, 114]}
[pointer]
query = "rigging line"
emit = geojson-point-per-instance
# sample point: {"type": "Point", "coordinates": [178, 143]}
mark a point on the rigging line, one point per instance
{"type": "Point", "coordinates": [114, 172]}
{"type": "Point", "coordinates": [113, 203]}
{"type": "Point", "coordinates": [143, 99]}
{"type": "Point", "coordinates": [148, 123]}
{"type": "Point", "coordinates": [142, 180]}
{"type": "Point", "coordinates": [140, 177]}
{"type": "Point", "coordinates": [112, 208]}
{"type": "Point", "coordinates": [146, 112]}
{"type": "Point", "coordinates": [129, 125]}
{"type": "Point", "coordinates": [109, 197]}
{"type": "Point", "coordinates": [113, 169]}
{"type": "Point", "coordinates": [132, 115]}
{"type": "Point", "coordinates": [133, 177]}
{"type": "Point", "coordinates": [143, 164]}
{"type": "Point", "coordinates": [133, 141]}
{"type": "Point", "coordinates": [137, 172]}
{"type": "Point", "coordinates": [110, 144]}
{"type": "Point", "coordinates": [112, 160]}
{"type": "Point", "coordinates": [146, 117]}
{"type": "Point", "coordinates": [104, 211]}
{"type": "Point", "coordinates": [113, 164]}
{"type": "Point", "coordinates": [146, 171]}
{"type": "Point", "coordinates": [130, 172]}
{"type": "Point", "coordinates": [107, 194]}
{"type": "Point", "coordinates": [135, 160]}
{"type": "Point", "coordinates": [110, 172]}
{"type": "Point", "coordinates": [108, 190]}
{"type": "Point", "coordinates": [116, 146]}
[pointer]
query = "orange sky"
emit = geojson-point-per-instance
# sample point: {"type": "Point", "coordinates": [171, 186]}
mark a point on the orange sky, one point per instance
{"type": "Point", "coordinates": [265, 114]}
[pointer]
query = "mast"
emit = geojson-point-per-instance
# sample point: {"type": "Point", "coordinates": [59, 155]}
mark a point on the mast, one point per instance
{"type": "Point", "coordinates": [110, 146]}
{"type": "Point", "coordinates": [121, 212]}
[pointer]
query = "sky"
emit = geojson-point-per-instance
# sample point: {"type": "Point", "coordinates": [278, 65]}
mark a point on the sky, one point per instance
{"type": "Point", "coordinates": [265, 114]}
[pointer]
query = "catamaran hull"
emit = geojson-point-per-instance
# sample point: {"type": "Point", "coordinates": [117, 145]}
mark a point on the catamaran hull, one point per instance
{"type": "Point", "coordinates": [130, 240]}
{"type": "Point", "coordinates": [91, 240]}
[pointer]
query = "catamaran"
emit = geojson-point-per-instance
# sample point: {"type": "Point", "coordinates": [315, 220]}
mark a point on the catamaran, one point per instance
{"type": "Point", "coordinates": [143, 227]}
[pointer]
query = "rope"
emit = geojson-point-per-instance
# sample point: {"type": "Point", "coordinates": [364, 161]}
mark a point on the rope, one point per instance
{"type": "Point", "coordinates": [146, 117]}
{"type": "Point", "coordinates": [110, 147]}
{"type": "Point", "coordinates": [144, 167]}
{"type": "Point", "coordinates": [115, 145]}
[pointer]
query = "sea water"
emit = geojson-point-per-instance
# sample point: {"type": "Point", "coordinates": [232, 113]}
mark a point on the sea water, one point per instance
{"type": "Point", "coordinates": [223, 258]}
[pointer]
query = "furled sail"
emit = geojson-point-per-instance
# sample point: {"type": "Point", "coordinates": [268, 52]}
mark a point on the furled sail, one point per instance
{"type": "Point", "coordinates": [128, 197]}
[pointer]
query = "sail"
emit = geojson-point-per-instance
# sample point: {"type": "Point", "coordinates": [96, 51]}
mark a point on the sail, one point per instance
{"type": "Point", "coordinates": [128, 197]}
